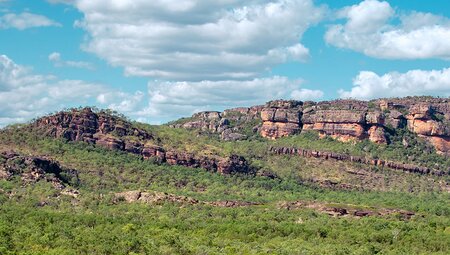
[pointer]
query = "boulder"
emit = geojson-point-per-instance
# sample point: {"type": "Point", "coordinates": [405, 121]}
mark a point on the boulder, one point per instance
{"type": "Point", "coordinates": [229, 135]}
{"type": "Point", "coordinates": [377, 134]}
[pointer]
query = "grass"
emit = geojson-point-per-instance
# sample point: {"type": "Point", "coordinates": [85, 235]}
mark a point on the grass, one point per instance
{"type": "Point", "coordinates": [94, 224]}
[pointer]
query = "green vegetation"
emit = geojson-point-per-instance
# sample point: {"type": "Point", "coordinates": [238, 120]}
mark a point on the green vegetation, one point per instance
{"type": "Point", "coordinates": [37, 219]}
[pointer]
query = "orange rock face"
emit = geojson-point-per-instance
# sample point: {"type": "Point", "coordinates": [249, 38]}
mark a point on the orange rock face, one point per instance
{"type": "Point", "coordinates": [281, 118]}
{"type": "Point", "coordinates": [426, 127]}
{"type": "Point", "coordinates": [274, 130]}
{"type": "Point", "coordinates": [440, 143]}
{"type": "Point", "coordinates": [376, 135]}
{"type": "Point", "coordinates": [422, 122]}
{"type": "Point", "coordinates": [341, 131]}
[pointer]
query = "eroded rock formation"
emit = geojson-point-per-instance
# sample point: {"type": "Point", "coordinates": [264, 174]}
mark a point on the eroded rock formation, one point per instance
{"type": "Point", "coordinates": [153, 197]}
{"type": "Point", "coordinates": [281, 118]}
{"type": "Point", "coordinates": [33, 169]}
{"type": "Point", "coordinates": [344, 120]}
{"type": "Point", "coordinates": [99, 128]}
{"type": "Point", "coordinates": [115, 133]}
{"type": "Point", "coordinates": [231, 164]}
{"type": "Point", "coordinates": [344, 210]}
{"type": "Point", "coordinates": [356, 159]}
{"type": "Point", "coordinates": [230, 124]}
{"type": "Point", "coordinates": [430, 124]}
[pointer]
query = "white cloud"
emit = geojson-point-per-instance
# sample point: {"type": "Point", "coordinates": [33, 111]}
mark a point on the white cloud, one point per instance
{"type": "Point", "coordinates": [25, 95]}
{"type": "Point", "coordinates": [307, 94]}
{"type": "Point", "coordinates": [197, 40]}
{"type": "Point", "coordinates": [25, 20]}
{"type": "Point", "coordinates": [369, 85]}
{"type": "Point", "coordinates": [170, 100]}
{"type": "Point", "coordinates": [368, 30]}
{"type": "Point", "coordinates": [56, 59]}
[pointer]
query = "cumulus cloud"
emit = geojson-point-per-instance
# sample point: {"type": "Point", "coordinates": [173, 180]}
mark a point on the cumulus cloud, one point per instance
{"type": "Point", "coordinates": [197, 40]}
{"type": "Point", "coordinates": [169, 100]}
{"type": "Point", "coordinates": [25, 95]}
{"type": "Point", "coordinates": [369, 85]}
{"type": "Point", "coordinates": [25, 20]}
{"type": "Point", "coordinates": [307, 95]}
{"type": "Point", "coordinates": [371, 29]}
{"type": "Point", "coordinates": [56, 59]}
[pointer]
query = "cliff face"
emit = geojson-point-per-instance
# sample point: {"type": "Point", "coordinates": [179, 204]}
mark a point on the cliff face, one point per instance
{"type": "Point", "coordinates": [362, 160]}
{"type": "Point", "coordinates": [100, 128]}
{"type": "Point", "coordinates": [114, 133]}
{"type": "Point", "coordinates": [230, 124]}
{"type": "Point", "coordinates": [426, 121]}
{"type": "Point", "coordinates": [344, 120]}
{"type": "Point", "coordinates": [281, 118]}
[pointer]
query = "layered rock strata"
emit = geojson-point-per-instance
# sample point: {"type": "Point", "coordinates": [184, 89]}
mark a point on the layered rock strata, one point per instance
{"type": "Point", "coordinates": [99, 128]}
{"type": "Point", "coordinates": [356, 159]}
{"type": "Point", "coordinates": [232, 164]}
{"type": "Point", "coordinates": [350, 120]}
{"type": "Point", "coordinates": [344, 120]}
{"type": "Point", "coordinates": [281, 118]}
{"type": "Point", "coordinates": [114, 133]}
{"type": "Point", "coordinates": [430, 124]}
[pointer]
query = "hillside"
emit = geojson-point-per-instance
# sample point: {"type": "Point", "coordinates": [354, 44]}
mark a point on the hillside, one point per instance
{"type": "Point", "coordinates": [287, 177]}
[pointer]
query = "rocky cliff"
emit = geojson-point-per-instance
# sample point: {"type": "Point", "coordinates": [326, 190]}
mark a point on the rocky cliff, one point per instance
{"type": "Point", "coordinates": [32, 169]}
{"type": "Point", "coordinates": [115, 133]}
{"type": "Point", "coordinates": [410, 168]}
{"type": "Point", "coordinates": [344, 120]}
{"type": "Point", "coordinates": [281, 118]}
{"type": "Point", "coordinates": [231, 124]}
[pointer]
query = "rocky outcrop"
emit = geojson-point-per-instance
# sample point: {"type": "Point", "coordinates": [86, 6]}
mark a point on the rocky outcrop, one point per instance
{"type": "Point", "coordinates": [423, 120]}
{"type": "Point", "coordinates": [281, 118]}
{"type": "Point", "coordinates": [232, 204]}
{"type": "Point", "coordinates": [344, 210]}
{"type": "Point", "coordinates": [115, 133]}
{"type": "Point", "coordinates": [344, 120]}
{"type": "Point", "coordinates": [100, 128]}
{"type": "Point", "coordinates": [33, 169]}
{"type": "Point", "coordinates": [152, 197]}
{"type": "Point", "coordinates": [356, 159]}
{"type": "Point", "coordinates": [229, 165]}
{"type": "Point", "coordinates": [230, 124]}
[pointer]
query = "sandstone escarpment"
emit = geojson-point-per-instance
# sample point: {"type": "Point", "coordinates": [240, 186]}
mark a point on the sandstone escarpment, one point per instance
{"type": "Point", "coordinates": [101, 128]}
{"type": "Point", "coordinates": [281, 118]}
{"type": "Point", "coordinates": [411, 168]}
{"type": "Point", "coordinates": [423, 120]}
{"type": "Point", "coordinates": [114, 133]}
{"type": "Point", "coordinates": [232, 164]}
{"type": "Point", "coordinates": [345, 120]}
{"type": "Point", "coordinates": [230, 124]}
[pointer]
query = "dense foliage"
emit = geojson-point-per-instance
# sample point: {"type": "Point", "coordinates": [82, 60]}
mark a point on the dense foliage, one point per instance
{"type": "Point", "coordinates": [37, 219]}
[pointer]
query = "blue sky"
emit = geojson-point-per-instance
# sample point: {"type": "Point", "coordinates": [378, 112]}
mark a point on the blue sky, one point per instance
{"type": "Point", "coordinates": [159, 60]}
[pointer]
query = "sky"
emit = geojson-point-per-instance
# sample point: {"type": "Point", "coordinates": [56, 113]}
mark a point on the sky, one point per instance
{"type": "Point", "coordinates": [159, 60]}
